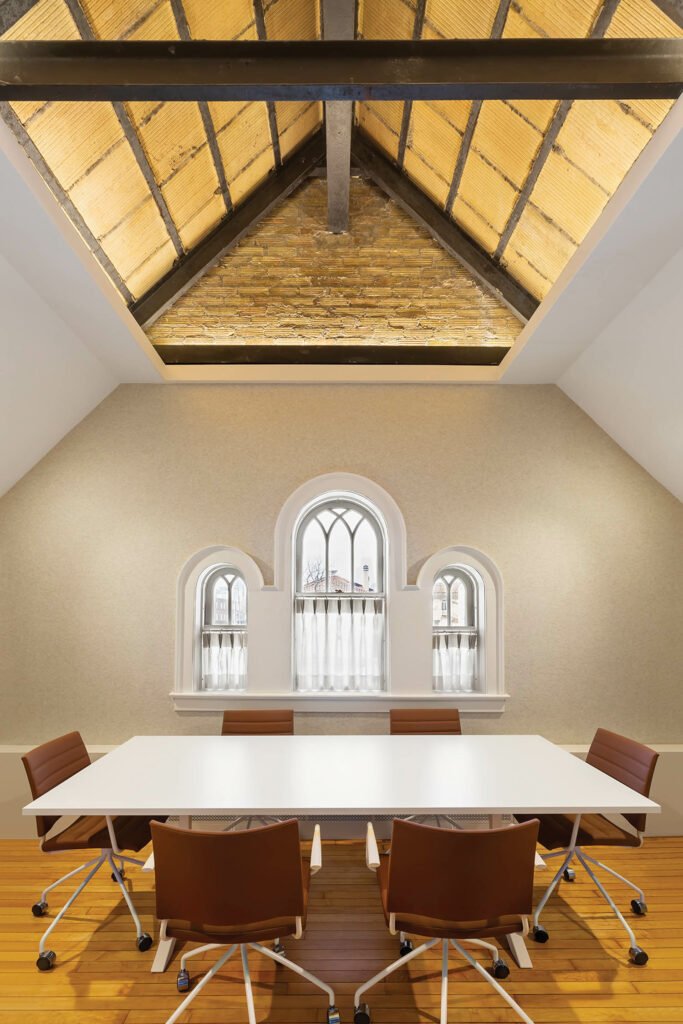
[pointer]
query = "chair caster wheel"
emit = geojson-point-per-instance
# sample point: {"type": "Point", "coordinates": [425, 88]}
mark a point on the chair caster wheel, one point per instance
{"type": "Point", "coordinates": [333, 1016]}
{"type": "Point", "coordinates": [499, 969]}
{"type": "Point", "coordinates": [46, 960]}
{"type": "Point", "coordinates": [279, 949]}
{"type": "Point", "coordinates": [569, 875]}
{"type": "Point", "coordinates": [638, 956]}
{"type": "Point", "coordinates": [361, 1015]}
{"type": "Point", "coordinates": [406, 947]}
{"type": "Point", "coordinates": [144, 942]}
{"type": "Point", "coordinates": [183, 981]}
{"type": "Point", "coordinates": [122, 875]}
{"type": "Point", "coordinates": [639, 907]}
{"type": "Point", "coordinates": [539, 934]}
{"type": "Point", "coordinates": [39, 909]}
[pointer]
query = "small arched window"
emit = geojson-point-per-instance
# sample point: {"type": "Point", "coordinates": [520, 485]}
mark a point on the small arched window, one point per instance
{"type": "Point", "coordinates": [455, 629]}
{"type": "Point", "coordinates": [224, 629]}
{"type": "Point", "coordinates": [339, 599]}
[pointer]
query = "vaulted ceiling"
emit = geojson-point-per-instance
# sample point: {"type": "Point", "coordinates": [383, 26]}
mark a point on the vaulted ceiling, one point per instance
{"type": "Point", "coordinates": [151, 185]}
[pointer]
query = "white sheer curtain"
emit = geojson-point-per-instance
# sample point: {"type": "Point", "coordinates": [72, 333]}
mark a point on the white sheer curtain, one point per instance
{"type": "Point", "coordinates": [224, 660]}
{"type": "Point", "coordinates": [339, 643]}
{"type": "Point", "coordinates": [455, 662]}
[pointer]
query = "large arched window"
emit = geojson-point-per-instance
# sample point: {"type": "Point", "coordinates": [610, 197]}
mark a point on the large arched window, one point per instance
{"type": "Point", "coordinates": [339, 597]}
{"type": "Point", "coordinates": [455, 629]}
{"type": "Point", "coordinates": [224, 629]}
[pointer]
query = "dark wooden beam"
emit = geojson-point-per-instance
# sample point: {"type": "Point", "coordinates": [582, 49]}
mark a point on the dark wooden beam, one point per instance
{"type": "Point", "coordinates": [475, 109]}
{"type": "Point", "coordinates": [229, 232]}
{"type": "Point", "coordinates": [339, 22]}
{"type": "Point", "coordinates": [343, 70]}
{"type": "Point", "coordinates": [12, 11]}
{"type": "Point", "coordinates": [600, 26]}
{"type": "Point", "coordinates": [444, 230]}
{"type": "Point", "coordinates": [209, 129]}
{"type": "Point", "coordinates": [330, 354]}
{"type": "Point", "coordinates": [418, 25]}
{"type": "Point", "coordinates": [673, 9]}
{"type": "Point", "coordinates": [260, 18]}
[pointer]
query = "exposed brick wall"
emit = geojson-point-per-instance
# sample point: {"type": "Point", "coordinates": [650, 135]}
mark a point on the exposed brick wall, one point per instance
{"type": "Point", "coordinates": [291, 281]}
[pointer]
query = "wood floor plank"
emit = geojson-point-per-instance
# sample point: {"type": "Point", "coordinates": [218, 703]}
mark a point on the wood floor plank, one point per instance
{"type": "Point", "coordinates": [581, 975]}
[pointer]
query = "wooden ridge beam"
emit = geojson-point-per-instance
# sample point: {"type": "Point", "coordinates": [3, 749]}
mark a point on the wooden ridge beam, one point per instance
{"type": "Point", "coordinates": [338, 22]}
{"type": "Point", "coordinates": [331, 354]}
{"type": "Point", "coordinates": [230, 231]}
{"type": "Point", "coordinates": [442, 229]}
{"type": "Point", "coordinates": [356, 69]}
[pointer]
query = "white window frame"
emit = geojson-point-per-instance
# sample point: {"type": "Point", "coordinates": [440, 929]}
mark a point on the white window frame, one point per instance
{"type": "Point", "coordinates": [206, 585]}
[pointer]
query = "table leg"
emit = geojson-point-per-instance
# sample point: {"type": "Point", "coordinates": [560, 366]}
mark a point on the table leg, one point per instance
{"type": "Point", "coordinates": [519, 951]}
{"type": "Point", "coordinates": [496, 821]}
{"type": "Point", "coordinates": [539, 862]}
{"type": "Point", "coordinates": [149, 863]}
{"type": "Point", "coordinates": [185, 821]}
{"type": "Point", "coordinates": [163, 955]}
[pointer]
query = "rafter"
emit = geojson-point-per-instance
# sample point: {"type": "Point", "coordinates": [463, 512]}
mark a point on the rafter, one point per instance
{"type": "Point", "coordinates": [339, 22]}
{"type": "Point", "coordinates": [600, 26]}
{"type": "Point", "coordinates": [418, 25]}
{"type": "Point", "coordinates": [230, 231]}
{"type": "Point", "coordinates": [260, 18]}
{"type": "Point", "coordinates": [343, 70]}
{"type": "Point", "coordinates": [673, 9]}
{"type": "Point", "coordinates": [328, 354]}
{"type": "Point", "coordinates": [463, 152]}
{"type": "Point", "coordinates": [444, 230]}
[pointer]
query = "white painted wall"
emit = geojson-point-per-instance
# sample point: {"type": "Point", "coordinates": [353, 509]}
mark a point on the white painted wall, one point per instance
{"type": "Point", "coordinates": [629, 380]}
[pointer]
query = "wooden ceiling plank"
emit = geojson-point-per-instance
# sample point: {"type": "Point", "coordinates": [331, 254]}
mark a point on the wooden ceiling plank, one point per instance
{"type": "Point", "coordinates": [330, 354]}
{"type": "Point", "coordinates": [408, 104]}
{"type": "Point", "coordinates": [602, 22]}
{"type": "Point", "coordinates": [128, 129]}
{"type": "Point", "coordinates": [339, 22]}
{"type": "Point", "coordinates": [356, 69]}
{"type": "Point", "coordinates": [261, 32]}
{"type": "Point", "coordinates": [184, 33]}
{"type": "Point", "coordinates": [444, 230]}
{"type": "Point", "coordinates": [229, 232]}
{"type": "Point", "coordinates": [496, 33]}
{"type": "Point", "coordinates": [62, 196]}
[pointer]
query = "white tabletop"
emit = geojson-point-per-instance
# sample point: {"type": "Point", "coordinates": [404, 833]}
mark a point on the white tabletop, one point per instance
{"type": "Point", "coordinates": [338, 775]}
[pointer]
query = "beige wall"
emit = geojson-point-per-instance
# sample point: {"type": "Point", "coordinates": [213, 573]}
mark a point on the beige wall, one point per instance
{"type": "Point", "coordinates": [92, 540]}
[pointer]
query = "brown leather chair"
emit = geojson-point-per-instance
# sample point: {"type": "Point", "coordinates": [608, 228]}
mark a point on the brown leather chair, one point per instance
{"type": "Point", "coordinates": [267, 722]}
{"type": "Point", "coordinates": [234, 889]}
{"type": "Point", "coordinates": [453, 887]}
{"type": "Point", "coordinates": [566, 835]}
{"type": "Point", "coordinates": [424, 722]}
{"type": "Point", "coordinates": [437, 721]}
{"type": "Point", "coordinates": [270, 722]}
{"type": "Point", "coordinates": [46, 767]}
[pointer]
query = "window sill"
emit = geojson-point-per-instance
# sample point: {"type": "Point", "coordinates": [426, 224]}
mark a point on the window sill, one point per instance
{"type": "Point", "coordinates": [467, 703]}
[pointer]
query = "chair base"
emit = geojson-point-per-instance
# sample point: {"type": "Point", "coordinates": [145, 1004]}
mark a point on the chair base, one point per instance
{"type": "Point", "coordinates": [498, 969]}
{"type": "Point", "coordinates": [46, 957]}
{"type": "Point", "coordinates": [638, 906]}
{"type": "Point", "coordinates": [184, 981]}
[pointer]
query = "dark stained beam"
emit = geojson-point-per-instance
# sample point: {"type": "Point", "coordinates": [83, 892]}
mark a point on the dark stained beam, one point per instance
{"type": "Point", "coordinates": [600, 26]}
{"type": "Point", "coordinates": [463, 152]}
{"type": "Point", "coordinates": [12, 11]}
{"type": "Point", "coordinates": [442, 229]}
{"type": "Point", "coordinates": [329, 354]}
{"type": "Point", "coordinates": [209, 129]}
{"type": "Point", "coordinates": [418, 25]}
{"type": "Point", "coordinates": [673, 9]}
{"type": "Point", "coordinates": [230, 231]}
{"type": "Point", "coordinates": [132, 138]}
{"type": "Point", "coordinates": [339, 22]}
{"type": "Point", "coordinates": [343, 70]}
{"type": "Point", "coordinates": [261, 32]}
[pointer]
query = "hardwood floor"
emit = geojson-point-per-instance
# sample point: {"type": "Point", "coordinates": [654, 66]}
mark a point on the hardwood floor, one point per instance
{"type": "Point", "coordinates": [582, 974]}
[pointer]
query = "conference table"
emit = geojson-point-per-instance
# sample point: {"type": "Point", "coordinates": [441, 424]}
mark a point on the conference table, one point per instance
{"type": "Point", "coordinates": [337, 777]}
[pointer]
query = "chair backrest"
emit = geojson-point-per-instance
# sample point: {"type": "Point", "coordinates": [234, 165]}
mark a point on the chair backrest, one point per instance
{"type": "Point", "coordinates": [454, 875]}
{"type": "Point", "coordinates": [51, 763]}
{"type": "Point", "coordinates": [222, 879]}
{"type": "Point", "coordinates": [437, 721]}
{"type": "Point", "coordinates": [278, 722]}
{"type": "Point", "coordinates": [626, 761]}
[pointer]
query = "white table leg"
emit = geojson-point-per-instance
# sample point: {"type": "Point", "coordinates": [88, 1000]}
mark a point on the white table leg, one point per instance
{"type": "Point", "coordinates": [149, 863]}
{"type": "Point", "coordinates": [163, 955]}
{"type": "Point", "coordinates": [185, 821]}
{"type": "Point", "coordinates": [519, 951]}
{"type": "Point", "coordinates": [496, 821]}
{"type": "Point", "coordinates": [539, 862]}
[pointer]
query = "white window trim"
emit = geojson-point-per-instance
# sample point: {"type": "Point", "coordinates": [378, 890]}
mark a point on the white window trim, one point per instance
{"type": "Point", "coordinates": [270, 620]}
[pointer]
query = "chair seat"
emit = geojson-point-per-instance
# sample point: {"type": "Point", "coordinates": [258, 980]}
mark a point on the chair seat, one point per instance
{"type": "Point", "coordinates": [91, 832]}
{"type": "Point", "coordinates": [253, 931]}
{"type": "Point", "coordinates": [555, 831]}
{"type": "Point", "coordinates": [433, 927]}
